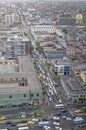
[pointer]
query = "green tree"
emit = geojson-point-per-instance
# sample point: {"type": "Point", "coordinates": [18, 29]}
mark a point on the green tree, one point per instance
{"type": "Point", "coordinates": [64, 30]}
{"type": "Point", "coordinates": [48, 65]}
{"type": "Point", "coordinates": [31, 47]}
{"type": "Point", "coordinates": [85, 109]}
{"type": "Point", "coordinates": [27, 114]}
{"type": "Point", "coordinates": [55, 77]}
{"type": "Point", "coordinates": [39, 48]}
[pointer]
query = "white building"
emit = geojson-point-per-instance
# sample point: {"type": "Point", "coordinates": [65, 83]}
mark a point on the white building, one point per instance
{"type": "Point", "coordinates": [11, 18]}
{"type": "Point", "coordinates": [61, 67]}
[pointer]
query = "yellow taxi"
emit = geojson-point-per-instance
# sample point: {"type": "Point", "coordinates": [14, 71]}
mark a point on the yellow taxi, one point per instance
{"type": "Point", "coordinates": [2, 118]}
{"type": "Point", "coordinates": [78, 111]}
{"type": "Point", "coordinates": [30, 122]}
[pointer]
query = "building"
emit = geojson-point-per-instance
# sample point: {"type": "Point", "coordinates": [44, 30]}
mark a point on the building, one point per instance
{"type": "Point", "coordinates": [81, 58]}
{"type": "Point", "coordinates": [61, 67]}
{"type": "Point", "coordinates": [53, 54]}
{"type": "Point", "coordinates": [74, 89]}
{"type": "Point", "coordinates": [72, 51]}
{"type": "Point", "coordinates": [11, 18]}
{"type": "Point", "coordinates": [83, 75]}
{"type": "Point", "coordinates": [43, 28]}
{"type": "Point", "coordinates": [16, 47]}
{"type": "Point", "coordinates": [18, 83]}
{"type": "Point", "coordinates": [77, 69]}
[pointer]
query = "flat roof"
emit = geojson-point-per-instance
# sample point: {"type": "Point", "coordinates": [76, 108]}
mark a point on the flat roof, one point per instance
{"type": "Point", "coordinates": [25, 70]}
{"type": "Point", "coordinates": [73, 86]}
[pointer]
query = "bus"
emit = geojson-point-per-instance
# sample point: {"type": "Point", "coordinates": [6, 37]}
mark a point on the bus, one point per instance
{"type": "Point", "coordinates": [23, 128]}
{"type": "Point", "coordinates": [43, 123]}
{"type": "Point", "coordinates": [59, 106]}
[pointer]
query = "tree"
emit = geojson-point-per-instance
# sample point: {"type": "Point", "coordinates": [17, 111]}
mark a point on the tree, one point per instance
{"type": "Point", "coordinates": [55, 77]}
{"type": "Point", "coordinates": [27, 114]}
{"type": "Point", "coordinates": [85, 109]}
{"type": "Point", "coordinates": [31, 47]}
{"type": "Point", "coordinates": [39, 48]}
{"type": "Point", "coordinates": [64, 30]}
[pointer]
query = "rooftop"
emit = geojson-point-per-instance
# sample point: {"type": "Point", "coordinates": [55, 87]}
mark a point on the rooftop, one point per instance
{"type": "Point", "coordinates": [74, 87]}
{"type": "Point", "coordinates": [13, 72]}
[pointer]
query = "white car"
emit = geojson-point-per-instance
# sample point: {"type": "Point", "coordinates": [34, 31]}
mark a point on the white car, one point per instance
{"type": "Point", "coordinates": [23, 114]}
{"type": "Point", "coordinates": [46, 127]}
{"type": "Point", "coordinates": [57, 127]}
{"type": "Point", "coordinates": [68, 118]}
{"type": "Point", "coordinates": [64, 117]}
{"type": "Point", "coordinates": [55, 118]}
{"type": "Point", "coordinates": [35, 120]}
{"type": "Point", "coordinates": [60, 128]}
{"type": "Point", "coordinates": [56, 123]}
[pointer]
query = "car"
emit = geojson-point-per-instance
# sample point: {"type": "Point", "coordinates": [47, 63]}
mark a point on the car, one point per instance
{"type": "Point", "coordinates": [64, 117]}
{"type": "Point", "coordinates": [56, 118]}
{"type": "Point", "coordinates": [46, 127]}
{"type": "Point", "coordinates": [55, 123]}
{"type": "Point", "coordinates": [8, 122]}
{"type": "Point", "coordinates": [45, 119]}
{"type": "Point", "coordinates": [60, 101]}
{"type": "Point", "coordinates": [22, 115]}
{"type": "Point", "coordinates": [59, 113]}
{"type": "Point", "coordinates": [35, 120]}
{"type": "Point", "coordinates": [30, 122]}
{"type": "Point", "coordinates": [60, 128]}
{"type": "Point", "coordinates": [57, 127]}
{"type": "Point", "coordinates": [63, 110]}
{"type": "Point", "coordinates": [50, 100]}
{"type": "Point", "coordinates": [2, 118]}
{"type": "Point", "coordinates": [78, 111]}
{"type": "Point", "coordinates": [68, 118]}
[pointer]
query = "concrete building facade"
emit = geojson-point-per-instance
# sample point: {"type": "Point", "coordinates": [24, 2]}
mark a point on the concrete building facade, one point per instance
{"type": "Point", "coordinates": [18, 83]}
{"type": "Point", "coordinates": [61, 67]}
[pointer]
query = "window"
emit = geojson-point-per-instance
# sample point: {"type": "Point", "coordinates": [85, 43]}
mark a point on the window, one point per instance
{"type": "Point", "coordinates": [31, 95]}
{"type": "Point", "coordinates": [37, 95]}
{"type": "Point", "coordinates": [10, 96]}
{"type": "Point", "coordinates": [24, 95]}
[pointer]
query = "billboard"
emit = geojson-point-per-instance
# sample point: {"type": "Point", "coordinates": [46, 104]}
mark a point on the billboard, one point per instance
{"type": "Point", "coordinates": [79, 17]}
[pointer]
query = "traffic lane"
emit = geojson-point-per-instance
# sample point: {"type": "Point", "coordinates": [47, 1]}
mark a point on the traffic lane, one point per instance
{"type": "Point", "coordinates": [17, 110]}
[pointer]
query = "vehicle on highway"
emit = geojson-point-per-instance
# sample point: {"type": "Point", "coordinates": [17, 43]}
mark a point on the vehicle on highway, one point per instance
{"type": "Point", "coordinates": [43, 123]}
{"type": "Point", "coordinates": [59, 106]}
{"type": "Point", "coordinates": [2, 118]}
{"type": "Point", "coordinates": [30, 122]}
{"type": "Point", "coordinates": [23, 128]}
